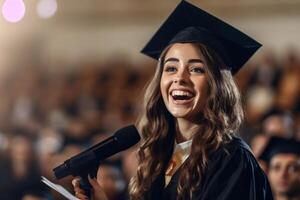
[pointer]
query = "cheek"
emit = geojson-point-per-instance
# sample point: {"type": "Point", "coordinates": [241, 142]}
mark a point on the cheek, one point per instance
{"type": "Point", "coordinates": [202, 86]}
{"type": "Point", "coordinates": [202, 96]}
{"type": "Point", "coordinates": [271, 176]}
{"type": "Point", "coordinates": [296, 177]}
{"type": "Point", "coordinates": [164, 86]}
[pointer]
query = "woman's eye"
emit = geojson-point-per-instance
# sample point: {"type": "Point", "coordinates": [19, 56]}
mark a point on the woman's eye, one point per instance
{"type": "Point", "coordinates": [170, 69]}
{"type": "Point", "coordinates": [200, 70]}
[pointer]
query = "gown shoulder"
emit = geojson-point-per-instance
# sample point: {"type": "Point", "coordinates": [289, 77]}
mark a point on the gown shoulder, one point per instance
{"type": "Point", "coordinates": [232, 174]}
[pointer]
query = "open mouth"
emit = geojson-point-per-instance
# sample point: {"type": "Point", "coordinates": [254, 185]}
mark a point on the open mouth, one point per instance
{"type": "Point", "coordinates": [181, 96]}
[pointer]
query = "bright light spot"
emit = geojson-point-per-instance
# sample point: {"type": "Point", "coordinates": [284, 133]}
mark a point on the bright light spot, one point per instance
{"type": "Point", "coordinates": [46, 8]}
{"type": "Point", "coordinates": [13, 10]}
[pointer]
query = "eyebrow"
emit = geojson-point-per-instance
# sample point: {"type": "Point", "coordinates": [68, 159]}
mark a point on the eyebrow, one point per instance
{"type": "Point", "coordinates": [189, 61]}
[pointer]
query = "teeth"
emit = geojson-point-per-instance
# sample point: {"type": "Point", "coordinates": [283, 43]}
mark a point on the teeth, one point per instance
{"type": "Point", "coordinates": [181, 93]}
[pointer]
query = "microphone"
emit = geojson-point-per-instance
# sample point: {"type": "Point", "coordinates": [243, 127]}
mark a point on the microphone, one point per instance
{"type": "Point", "coordinates": [85, 162]}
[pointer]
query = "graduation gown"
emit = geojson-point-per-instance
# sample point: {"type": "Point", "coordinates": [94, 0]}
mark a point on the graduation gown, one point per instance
{"type": "Point", "coordinates": [232, 174]}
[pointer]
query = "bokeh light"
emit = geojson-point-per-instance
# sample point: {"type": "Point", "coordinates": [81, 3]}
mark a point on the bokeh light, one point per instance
{"type": "Point", "coordinates": [46, 8]}
{"type": "Point", "coordinates": [13, 10]}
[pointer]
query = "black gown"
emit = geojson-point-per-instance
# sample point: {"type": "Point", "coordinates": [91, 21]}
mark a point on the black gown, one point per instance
{"type": "Point", "coordinates": [232, 174]}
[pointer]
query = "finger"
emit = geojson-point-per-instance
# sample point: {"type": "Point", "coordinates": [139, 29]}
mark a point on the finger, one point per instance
{"type": "Point", "coordinates": [79, 190]}
{"type": "Point", "coordinates": [76, 182]}
{"type": "Point", "coordinates": [81, 196]}
{"type": "Point", "coordinates": [93, 182]}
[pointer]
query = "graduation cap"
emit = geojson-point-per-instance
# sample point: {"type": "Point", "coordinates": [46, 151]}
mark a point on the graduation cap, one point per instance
{"type": "Point", "coordinates": [274, 112]}
{"type": "Point", "coordinates": [189, 24]}
{"type": "Point", "coordinates": [278, 145]}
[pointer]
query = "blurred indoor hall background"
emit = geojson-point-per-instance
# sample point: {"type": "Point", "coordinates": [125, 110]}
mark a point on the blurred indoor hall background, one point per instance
{"type": "Point", "coordinates": [71, 74]}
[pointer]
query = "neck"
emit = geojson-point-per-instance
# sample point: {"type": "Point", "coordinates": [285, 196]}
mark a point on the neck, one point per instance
{"type": "Point", "coordinates": [185, 129]}
{"type": "Point", "coordinates": [281, 197]}
{"type": "Point", "coordinates": [285, 197]}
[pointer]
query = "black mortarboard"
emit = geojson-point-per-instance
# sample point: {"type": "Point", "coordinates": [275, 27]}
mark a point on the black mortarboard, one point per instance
{"type": "Point", "coordinates": [188, 23]}
{"type": "Point", "coordinates": [278, 145]}
{"type": "Point", "coordinates": [274, 112]}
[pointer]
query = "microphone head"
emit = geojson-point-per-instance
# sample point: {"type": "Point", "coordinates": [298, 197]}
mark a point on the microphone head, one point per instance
{"type": "Point", "coordinates": [127, 137]}
{"type": "Point", "coordinates": [61, 171]}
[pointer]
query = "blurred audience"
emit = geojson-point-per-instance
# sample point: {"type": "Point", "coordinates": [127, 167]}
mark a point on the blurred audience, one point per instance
{"type": "Point", "coordinates": [111, 179]}
{"type": "Point", "coordinates": [48, 116]}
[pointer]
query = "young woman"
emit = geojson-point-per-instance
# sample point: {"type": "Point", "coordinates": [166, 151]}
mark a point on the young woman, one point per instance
{"type": "Point", "coordinates": [192, 112]}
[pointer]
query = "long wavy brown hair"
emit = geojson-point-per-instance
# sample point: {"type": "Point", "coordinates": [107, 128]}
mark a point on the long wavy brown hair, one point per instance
{"type": "Point", "coordinates": [221, 117]}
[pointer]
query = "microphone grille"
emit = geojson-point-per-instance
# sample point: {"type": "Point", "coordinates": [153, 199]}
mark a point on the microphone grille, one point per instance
{"type": "Point", "coordinates": [127, 137]}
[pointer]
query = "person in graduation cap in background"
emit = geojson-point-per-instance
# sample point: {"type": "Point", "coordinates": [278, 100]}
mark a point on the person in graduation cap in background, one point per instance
{"type": "Point", "coordinates": [282, 157]}
{"type": "Point", "coordinates": [191, 114]}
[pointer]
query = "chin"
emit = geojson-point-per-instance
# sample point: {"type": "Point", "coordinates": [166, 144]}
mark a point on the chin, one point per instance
{"type": "Point", "coordinates": [180, 114]}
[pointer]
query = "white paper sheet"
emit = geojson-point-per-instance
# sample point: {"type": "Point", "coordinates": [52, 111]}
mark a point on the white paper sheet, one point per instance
{"type": "Point", "coordinates": [60, 189]}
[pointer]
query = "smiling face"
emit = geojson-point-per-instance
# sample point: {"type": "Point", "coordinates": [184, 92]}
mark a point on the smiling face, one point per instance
{"type": "Point", "coordinates": [183, 84]}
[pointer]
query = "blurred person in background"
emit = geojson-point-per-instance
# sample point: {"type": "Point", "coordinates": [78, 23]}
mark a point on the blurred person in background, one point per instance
{"type": "Point", "coordinates": [283, 160]}
{"type": "Point", "coordinates": [129, 163]}
{"type": "Point", "coordinates": [278, 123]}
{"type": "Point", "coordinates": [36, 194]}
{"type": "Point", "coordinates": [267, 72]}
{"type": "Point", "coordinates": [48, 145]}
{"type": "Point", "coordinates": [22, 173]}
{"type": "Point", "coordinates": [111, 179]}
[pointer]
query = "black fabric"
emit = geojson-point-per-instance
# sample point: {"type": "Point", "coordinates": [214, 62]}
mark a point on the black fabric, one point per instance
{"type": "Point", "coordinates": [232, 174]}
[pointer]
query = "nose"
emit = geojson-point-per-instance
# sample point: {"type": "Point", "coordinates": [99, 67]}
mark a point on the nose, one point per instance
{"type": "Point", "coordinates": [284, 173]}
{"type": "Point", "coordinates": [181, 77]}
